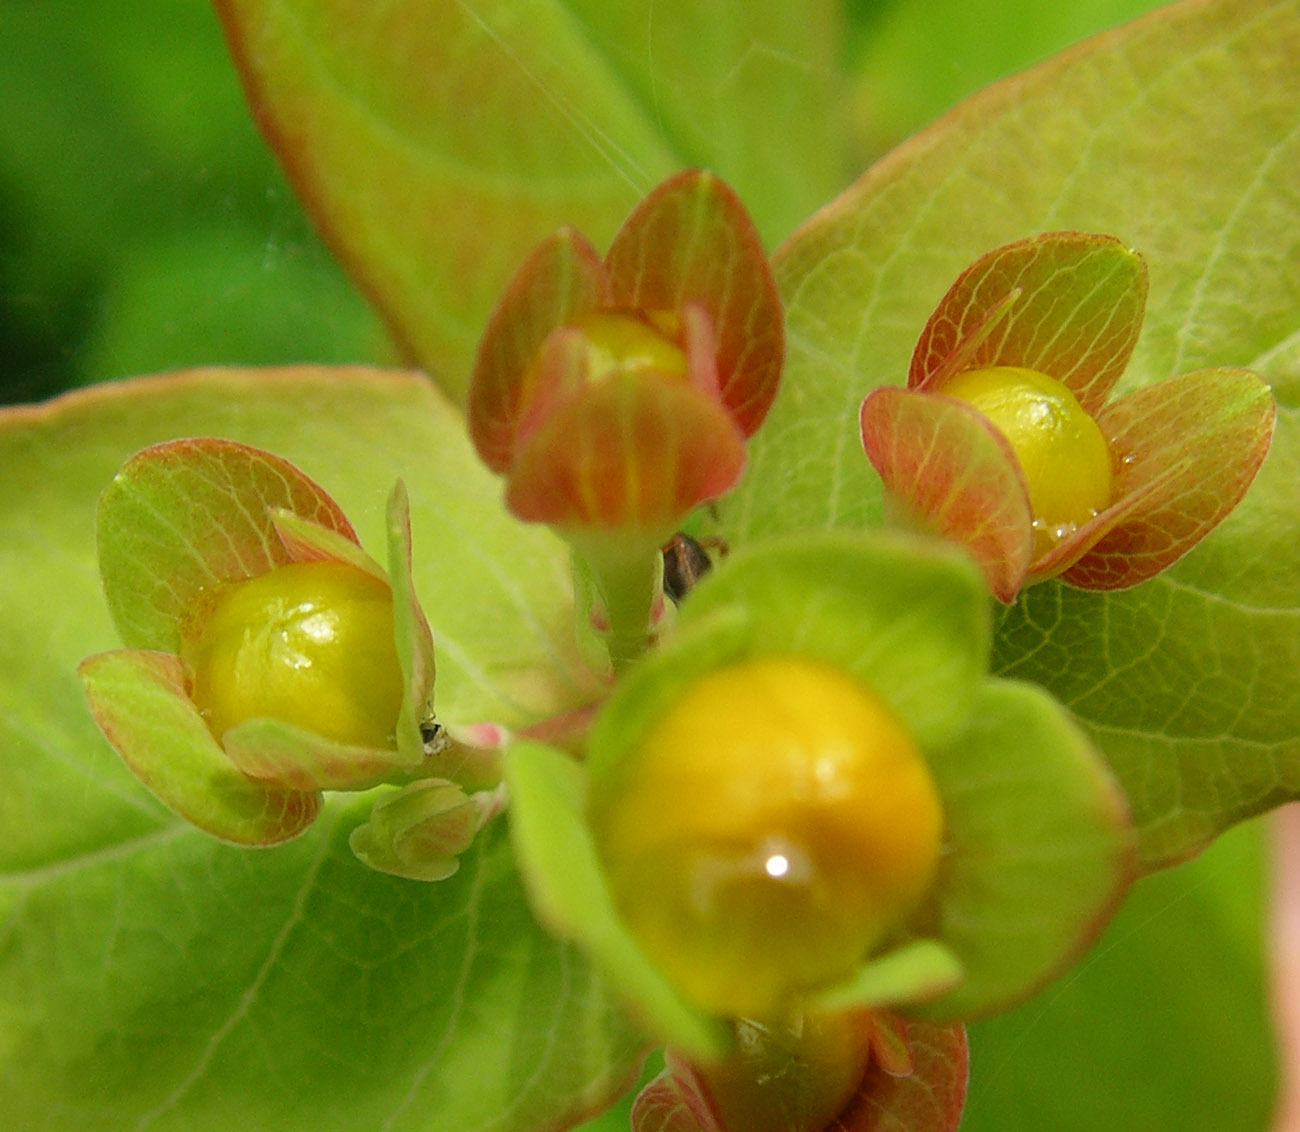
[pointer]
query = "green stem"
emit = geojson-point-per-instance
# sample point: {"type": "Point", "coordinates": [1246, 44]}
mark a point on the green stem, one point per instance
{"type": "Point", "coordinates": [625, 583]}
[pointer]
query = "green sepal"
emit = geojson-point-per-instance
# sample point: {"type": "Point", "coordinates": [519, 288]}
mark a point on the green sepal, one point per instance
{"type": "Point", "coordinates": [912, 972]}
{"type": "Point", "coordinates": [411, 632]}
{"type": "Point", "coordinates": [1039, 848]}
{"type": "Point", "coordinates": [419, 831]}
{"type": "Point", "coordinates": [138, 699]}
{"type": "Point", "coordinates": [568, 892]}
{"type": "Point", "coordinates": [908, 616]}
{"type": "Point", "coordinates": [310, 542]}
{"type": "Point", "coordinates": [275, 751]}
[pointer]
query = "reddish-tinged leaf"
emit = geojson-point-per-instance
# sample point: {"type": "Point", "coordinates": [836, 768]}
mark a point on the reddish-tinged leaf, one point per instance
{"type": "Point", "coordinates": [691, 241]}
{"type": "Point", "coordinates": [138, 699]}
{"type": "Point", "coordinates": [562, 278]}
{"type": "Point", "coordinates": [186, 515]}
{"type": "Point", "coordinates": [929, 1099]}
{"type": "Point", "coordinates": [946, 466]}
{"type": "Point", "coordinates": [281, 754]}
{"type": "Point", "coordinates": [890, 1047]}
{"type": "Point", "coordinates": [1062, 557]}
{"type": "Point", "coordinates": [1194, 443]}
{"type": "Point", "coordinates": [1076, 318]}
{"type": "Point", "coordinates": [664, 1106]}
{"type": "Point", "coordinates": [633, 451]}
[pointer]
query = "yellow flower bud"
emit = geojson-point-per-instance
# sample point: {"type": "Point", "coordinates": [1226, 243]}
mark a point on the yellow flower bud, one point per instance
{"type": "Point", "coordinates": [619, 341]}
{"type": "Point", "coordinates": [310, 643]}
{"type": "Point", "coordinates": [772, 826]}
{"type": "Point", "coordinates": [793, 1076]}
{"type": "Point", "coordinates": [1064, 457]}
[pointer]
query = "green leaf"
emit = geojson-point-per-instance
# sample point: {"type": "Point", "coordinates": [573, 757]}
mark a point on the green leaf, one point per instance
{"type": "Point", "coordinates": [1040, 849]}
{"type": "Point", "coordinates": [1163, 1026]}
{"type": "Point", "coordinates": [436, 143]}
{"type": "Point", "coordinates": [1191, 682]}
{"type": "Point", "coordinates": [911, 973]}
{"type": "Point", "coordinates": [148, 968]}
{"type": "Point", "coordinates": [558, 859]}
{"type": "Point", "coordinates": [907, 616]}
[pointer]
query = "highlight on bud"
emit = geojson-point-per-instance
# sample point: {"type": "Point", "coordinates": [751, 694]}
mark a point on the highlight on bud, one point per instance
{"type": "Point", "coordinates": [617, 392]}
{"type": "Point", "coordinates": [1006, 438]}
{"type": "Point", "coordinates": [812, 800]}
{"type": "Point", "coordinates": [268, 656]}
{"type": "Point", "coordinates": [760, 852]}
{"type": "Point", "coordinates": [815, 1073]}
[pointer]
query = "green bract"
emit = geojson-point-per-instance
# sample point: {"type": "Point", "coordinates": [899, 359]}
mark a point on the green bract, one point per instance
{"type": "Point", "coordinates": [909, 621]}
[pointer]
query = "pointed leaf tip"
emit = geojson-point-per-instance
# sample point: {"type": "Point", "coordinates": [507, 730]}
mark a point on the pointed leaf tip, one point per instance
{"type": "Point", "coordinates": [691, 241]}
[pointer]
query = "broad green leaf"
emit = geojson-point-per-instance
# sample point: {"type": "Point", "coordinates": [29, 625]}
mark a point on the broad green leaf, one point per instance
{"type": "Point", "coordinates": [1163, 1026]}
{"type": "Point", "coordinates": [152, 976]}
{"type": "Point", "coordinates": [1191, 682]}
{"type": "Point", "coordinates": [558, 858]}
{"type": "Point", "coordinates": [1040, 849]}
{"type": "Point", "coordinates": [437, 142]}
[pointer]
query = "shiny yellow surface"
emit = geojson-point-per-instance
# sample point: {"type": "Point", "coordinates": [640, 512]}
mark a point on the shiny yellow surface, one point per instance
{"type": "Point", "coordinates": [310, 644]}
{"type": "Point", "coordinates": [619, 341]}
{"type": "Point", "coordinates": [1064, 457]}
{"type": "Point", "coordinates": [773, 825]}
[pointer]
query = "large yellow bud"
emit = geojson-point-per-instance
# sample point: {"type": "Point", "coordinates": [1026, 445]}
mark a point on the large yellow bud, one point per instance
{"type": "Point", "coordinates": [769, 830]}
{"type": "Point", "coordinates": [1065, 459]}
{"type": "Point", "coordinates": [310, 643]}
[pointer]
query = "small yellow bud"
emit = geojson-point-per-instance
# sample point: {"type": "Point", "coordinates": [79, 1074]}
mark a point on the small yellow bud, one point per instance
{"type": "Point", "coordinates": [310, 644]}
{"type": "Point", "coordinates": [793, 1076]}
{"type": "Point", "coordinates": [773, 825]}
{"type": "Point", "coordinates": [1061, 451]}
{"type": "Point", "coordinates": [619, 341]}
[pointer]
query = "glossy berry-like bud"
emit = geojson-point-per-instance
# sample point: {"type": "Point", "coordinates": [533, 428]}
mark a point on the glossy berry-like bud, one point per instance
{"type": "Point", "coordinates": [791, 1076]}
{"type": "Point", "coordinates": [1061, 451]}
{"type": "Point", "coordinates": [310, 643]}
{"type": "Point", "coordinates": [627, 342]}
{"type": "Point", "coordinates": [774, 824]}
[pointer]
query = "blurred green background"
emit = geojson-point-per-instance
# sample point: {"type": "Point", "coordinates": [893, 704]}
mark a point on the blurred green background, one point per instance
{"type": "Point", "coordinates": [144, 226]}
